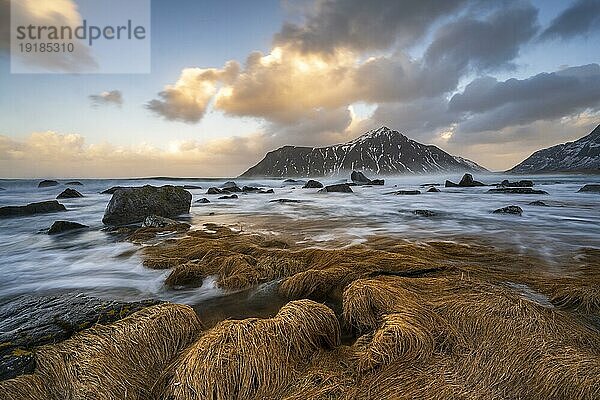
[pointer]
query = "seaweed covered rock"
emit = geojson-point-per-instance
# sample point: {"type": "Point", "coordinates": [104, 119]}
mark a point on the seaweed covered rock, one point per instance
{"type": "Point", "coordinates": [132, 205]}
{"type": "Point", "coordinates": [42, 207]}
{"type": "Point", "coordinates": [515, 210]}
{"type": "Point", "coordinates": [65, 226]}
{"type": "Point", "coordinates": [69, 193]}
{"type": "Point", "coordinates": [30, 321]}
{"type": "Point", "coordinates": [47, 183]}
{"type": "Point", "coordinates": [154, 221]}
{"type": "Point", "coordinates": [339, 188]}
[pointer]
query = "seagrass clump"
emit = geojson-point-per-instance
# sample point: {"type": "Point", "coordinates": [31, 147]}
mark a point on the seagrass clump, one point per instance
{"type": "Point", "coordinates": [253, 358]}
{"type": "Point", "coordinates": [119, 361]}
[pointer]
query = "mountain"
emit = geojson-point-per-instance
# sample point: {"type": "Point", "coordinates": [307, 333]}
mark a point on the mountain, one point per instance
{"type": "Point", "coordinates": [580, 155]}
{"type": "Point", "coordinates": [380, 151]}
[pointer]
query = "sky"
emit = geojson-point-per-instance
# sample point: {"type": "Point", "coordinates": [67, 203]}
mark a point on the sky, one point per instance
{"type": "Point", "coordinates": [491, 81]}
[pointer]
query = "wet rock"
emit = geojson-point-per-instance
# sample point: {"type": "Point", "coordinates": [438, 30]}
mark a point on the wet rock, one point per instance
{"type": "Point", "coordinates": [515, 210]}
{"type": "Point", "coordinates": [284, 201]}
{"type": "Point", "coordinates": [250, 189]}
{"type": "Point", "coordinates": [339, 188]}
{"type": "Point", "coordinates": [74, 183]}
{"type": "Point", "coordinates": [268, 191]}
{"type": "Point", "coordinates": [231, 197]}
{"type": "Point", "coordinates": [407, 192]}
{"type": "Point", "coordinates": [30, 321]}
{"type": "Point", "coordinates": [293, 181]}
{"type": "Point", "coordinates": [425, 213]}
{"type": "Point", "coordinates": [42, 207]}
{"type": "Point", "coordinates": [517, 190]}
{"type": "Point", "coordinates": [1, 189]}
{"type": "Point", "coordinates": [312, 184]}
{"type": "Point", "coordinates": [450, 184]}
{"type": "Point", "coordinates": [359, 178]}
{"type": "Point", "coordinates": [466, 181]}
{"type": "Point", "coordinates": [154, 221]}
{"type": "Point", "coordinates": [378, 182]}
{"type": "Point", "coordinates": [113, 189]}
{"type": "Point", "coordinates": [128, 206]}
{"type": "Point", "coordinates": [521, 183]}
{"type": "Point", "coordinates": [190, 187]}
{"type": "Point", "coordinates": [433, 189]}
{"type": "Point", "coordinates": [47, 183]}
{"type": "Point", "coordinates": [231, 187]}
{"type": "Point", "coordinates": [65, 226]}
{"type": "Point", "coordinates": [538, 203]}
{"type": "Point", "coordinates": [69, 193]}
{"type": "Point", "coordinates": [215, 190]}
{"type": "Point", "coordinates": [590, 189]}
{"type": "Point", "coordinates": [203, 200]}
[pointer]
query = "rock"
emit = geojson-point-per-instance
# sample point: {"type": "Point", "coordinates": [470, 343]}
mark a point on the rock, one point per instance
{"type": "Point", "coordinates": [433, 189]}
{"type": "Point", "coordinates": [359, 178]}
{"type": "Point", "coordinates": [190, 187]}
{"type": "Point", "coordinates": [215, 190]}
{"type": "Point", "coordinates": [113, 189]}
{"type": "Point", "coordinates": [521, 183]}
{"type": "Point", "coordinates": [516, 210]}
{"type": "Point", "coordinates": [65, 226]}
{"type": "Point", "coordinates": [269, 191]}
{"type": "Point", "coordinates": [450, 184]}
{"type": "Point", "coordinates": [590, 189]}
{"type": "Point", "coordinates": [42, 207]}
{"type": "Point", "coordinates": [47, 183]}
{"type": "Point", "coordinates": [30, 321]}
{"type": "Point", "coordinates": [284, 201]}
{"type": "Point", "coordinates": [231, 187]}
{"type": "Point", "coordinates": [128, 206]}
{"type": "Point", "coordinates": [154, 221]}
{"type": "Point", "coordinates": [233, 196]}
{"type": "Point", "coordinates": [339, 188]}
{"type": "Point", "coordinates": [203, 200]}
{"type": "Point", "coordinates": [250, 189]}
{"type": "Point", "coordinates": [293, 181]}
{"type": "Point", "coordinates": [1, 189]}
{"type": "Point", "coordinates": [466, 181]}
{"type": "Point", "coordinates": [430, 184]}
{"type": "Point", "coordinates": [517, 190]}
{"type": "Point", "coordinates": [407, 192]}
{"type": "Point", "coordinates": [312, 184]}
{"type": "Point", "coordinates": [69, 193]}
{"type": "Point", "coordinates": [378, 182]}
{"type": "Point", "coordinates": [425, 213]}
{"type": "Point", "coordinates": [538, 203]}
{"type": "Point", "coordinates": [74, 183]}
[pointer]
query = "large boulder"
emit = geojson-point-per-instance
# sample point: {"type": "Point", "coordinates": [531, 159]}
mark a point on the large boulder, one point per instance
{"type": "Point", "coordinates": [65, 226]}
{"type": "Point", "coordinates": [312, 184]}
{"type": "Point", "coordinates": [133, 205]}
{"type": "Point", "coordinates": [339, 188]}
{"type": "Point", "coordinates": [42, 207]}
{"type": "Point", "coordinates": [590, 189]}
{"type": "Point", "coordinates": [30, 321]}
{"type": "Point", "coordinates": [47, 183]}
{"type": "Point", "coordinates": [466, 181]}
{"type": "Point", "coordinates": [69, 193]}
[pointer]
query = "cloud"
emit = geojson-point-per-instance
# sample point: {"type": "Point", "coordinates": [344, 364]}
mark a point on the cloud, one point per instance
{"type": "Point", "coordinates": [364, 25]}
{"type": "Point", "coordinates": [68, 155]}
{"type": "Point", "coordinates": [113, 97]}
{"type": "Point", "coordinates": [582, 17]}
{"type": "Point", "coordinates": [492, 105]}
{"type": "Point", "coordinates": [188, 99]}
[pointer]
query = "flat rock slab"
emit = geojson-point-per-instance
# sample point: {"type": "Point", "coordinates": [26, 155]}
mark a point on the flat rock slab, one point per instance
{"type": "Point", "coordinates": [42, 207]}
{"type": "Point", "coordinates": [590, 189]}
{"type": "Point", "coordinates": [30, 321]}
{"type": "Point", "coordinates": [518, 190]}
{"type": "Point", "coordinates": [47, 183]}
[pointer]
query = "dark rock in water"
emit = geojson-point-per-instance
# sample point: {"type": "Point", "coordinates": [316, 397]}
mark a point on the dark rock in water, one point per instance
{"type": "Point", "coordinates": [284, 201]}
{"type": "Point", "coordinates": [1, 188]}
{"type": "Point", "coordinates": [516, 210]}
{"type": "Point", "coordinates": [378, 182]}
{"type": "Point", "coordinates": [293, 181]}
{"type": "Point", "coordinates": [468, 181]}
{"type": "Point", "coordinates": [47, 183]}
{"type": "Point", "coordinates": [538, 203]}
{"type": "Point", "coordinates": [203, 200]}
{"type": "Point", "coordinates": [517, 190]}
{"type": "Point", "coordinates": [113, 189]}
{"type": "Point", "coordinates": [231, 187]}
{"type": "Point", "coordinates": [425, 213]}
{"type": "Point", "coordinates": [69, 193]}
{"type": "Point", "coordinates": [450, 184]}
{"type": "Point", "coordinates": [233, 196]}
{"type": "Point", "coordinates": [42, 207]}
{"type": "Point", "coordinates": [359, 177]}
{"type": "Point", "coordinates": [65, 226]}
{"type": "Point", "coordinates": [431, 184]}
{"type": "Point", "coordinates": [407, 192]}
{"type": "Point", "coordinates": [312, 184]}
{"type": "Point", "coordinates": [590, 189]}
{"type": "Point", "coordinates": [154, 221]}
{"type": "Point", "coordinates": [521, 183]}
{"type": "Point", "coordinates": [433, 189]}
{"type": "Point", "coordinates": [339, 188]}
{"type": "Point", "coordinates": [214, 190]}
{"type": "Point", "coordinates": [128, 206]}
{"type": "Point", "coordinates": [190, 187]}
{"type": "Point", "coordinates": [74, 183]}
{"type": "Point", "coordinates": [250, 189]}
{"type": "Point", "coordinates": [30, 321]}
{"type": "Point", "coordinates": [269, 191]}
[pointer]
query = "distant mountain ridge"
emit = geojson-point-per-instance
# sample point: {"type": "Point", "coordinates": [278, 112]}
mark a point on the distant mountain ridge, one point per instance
{"type": "Point", "coordinates": [580, 155]}
{"type": "Point", "coordinates": [380, 151]}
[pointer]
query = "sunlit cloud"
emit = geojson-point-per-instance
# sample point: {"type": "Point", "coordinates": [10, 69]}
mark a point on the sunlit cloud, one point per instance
{"type": "Point", "coordinates": [113, 97]}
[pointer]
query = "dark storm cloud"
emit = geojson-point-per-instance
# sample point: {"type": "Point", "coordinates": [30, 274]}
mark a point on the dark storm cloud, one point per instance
{"type": "Point", "coordinates": [578, 19]}
{"type": "Point", "coordinates": [493, 105]}
{"type": "Point", "coordinates": [365, 25]}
